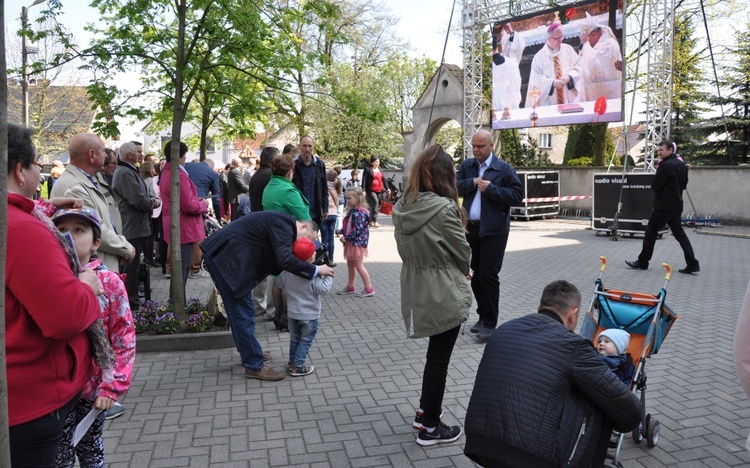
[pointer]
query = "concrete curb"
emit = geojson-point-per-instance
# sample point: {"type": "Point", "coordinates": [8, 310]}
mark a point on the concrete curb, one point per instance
{"type": "Point", "coordinates": [184, 342]}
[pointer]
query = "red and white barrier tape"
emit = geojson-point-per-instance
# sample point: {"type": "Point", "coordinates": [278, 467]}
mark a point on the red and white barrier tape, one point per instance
{"type": "Point", "coordinates": [553, 199]}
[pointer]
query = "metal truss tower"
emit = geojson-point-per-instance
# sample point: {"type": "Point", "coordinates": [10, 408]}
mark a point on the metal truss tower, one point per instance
{"type": "Point", "coordinates": [659, 33]}
{"type": "Point", "coordinates": [660, 46]}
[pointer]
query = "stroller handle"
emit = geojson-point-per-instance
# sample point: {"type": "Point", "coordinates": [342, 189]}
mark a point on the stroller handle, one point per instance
{"type": "Point", "coordinates": [669, 271]}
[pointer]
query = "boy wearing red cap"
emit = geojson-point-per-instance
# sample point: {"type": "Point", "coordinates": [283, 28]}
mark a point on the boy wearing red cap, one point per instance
{"type": "Point", "coordinates": [303, 306]}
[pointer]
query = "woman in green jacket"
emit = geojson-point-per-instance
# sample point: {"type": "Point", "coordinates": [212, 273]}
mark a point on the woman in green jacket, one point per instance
{"type": "Point", "coordinates": [281, 194]}
{"type": "Point", "coordinates": [435, 291]}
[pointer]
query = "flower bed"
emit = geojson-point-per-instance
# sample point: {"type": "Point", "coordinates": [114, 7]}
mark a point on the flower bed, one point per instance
{"type": "Point", "coordinates": [159, 319]}
{"type": "Point", "coordinates": [159, 330]}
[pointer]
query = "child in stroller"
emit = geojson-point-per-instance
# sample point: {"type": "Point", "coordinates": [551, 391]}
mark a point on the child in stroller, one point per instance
{"type": "Point", "coordinates": [612, 345]}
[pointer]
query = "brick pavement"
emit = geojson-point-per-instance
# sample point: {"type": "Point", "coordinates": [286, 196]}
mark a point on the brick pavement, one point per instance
{"type": "Point", "coordinates": [197, 409]}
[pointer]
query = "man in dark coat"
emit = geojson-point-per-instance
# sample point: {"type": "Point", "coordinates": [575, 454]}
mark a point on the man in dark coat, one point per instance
{"type": "Point", "coordinates": [670, 180]}
{"type": "Point", "coordinates": [262, 296]}
{"type": "Point", "coordinates": [543, 397]}
{"type": "Point", "coordinates": [236, 187]}
{"type": "Point", "coordinates": [135, 206]}
{"type": "Point", "coordinates": [310, 178]}
{"type": "Point", "coordinates": [260, 179]}
{"type": "Point", "coordinates": [489, 186]}
{"type": "Point", "coordinates": [238, 257]}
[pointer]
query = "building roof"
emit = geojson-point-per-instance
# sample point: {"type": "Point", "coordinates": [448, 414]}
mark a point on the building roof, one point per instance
{"type": "Point", "coordinates": [64, 109]}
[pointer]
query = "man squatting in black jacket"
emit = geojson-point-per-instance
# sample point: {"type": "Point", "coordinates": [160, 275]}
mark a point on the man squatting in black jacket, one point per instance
{"type": "Point", "coordinates": [542, 396]}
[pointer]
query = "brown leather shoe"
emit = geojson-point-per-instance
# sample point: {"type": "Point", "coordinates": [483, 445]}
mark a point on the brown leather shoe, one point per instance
{"type": "Point", "coordinates": [265, 373]}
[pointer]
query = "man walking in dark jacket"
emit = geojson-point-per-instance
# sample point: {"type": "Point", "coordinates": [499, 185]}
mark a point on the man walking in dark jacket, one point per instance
{"type": "Point", "coordinates": [489, 186]}
{"type": "Point", "coordinates": [238, 257]}
{"type": "Point", "coordinates": [543, 397]}
{"type": "Point", "coordinates": [670, 180]}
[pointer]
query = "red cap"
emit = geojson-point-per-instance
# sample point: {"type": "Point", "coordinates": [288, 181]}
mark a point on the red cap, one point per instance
{"type": "Point", "coordinates": [303, 248]}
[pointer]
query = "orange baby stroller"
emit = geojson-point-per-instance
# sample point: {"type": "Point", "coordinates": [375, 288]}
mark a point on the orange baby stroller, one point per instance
{"type": "Point", "coordinates": [648, 319]}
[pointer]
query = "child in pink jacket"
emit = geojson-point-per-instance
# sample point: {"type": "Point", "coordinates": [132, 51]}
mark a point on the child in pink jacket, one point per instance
{"type": "Point", "coordinates": [106, 385]}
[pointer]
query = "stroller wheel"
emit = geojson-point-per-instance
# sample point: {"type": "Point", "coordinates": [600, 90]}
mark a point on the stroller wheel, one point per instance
{"type": "Point", "coordinates": [638, 433]}
{"type": "Point", "coordinates": [652, 432]}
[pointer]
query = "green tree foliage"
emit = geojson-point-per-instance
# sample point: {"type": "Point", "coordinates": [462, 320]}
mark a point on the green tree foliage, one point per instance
{"type": "Point", "coordinates": [510, 146]}
{"type": "Point", "coordinates": [735, 85]}
{"type": "Point", "coordinates": [358, 33]}
{"type": "Point", "coordinates": [182, 49]}
{"type": "Point", "coordinates": [589, 141]}
{"type": "Point", "coordinates": [530, 155]}
{"type": "Point", "coordinates": [687, 97]}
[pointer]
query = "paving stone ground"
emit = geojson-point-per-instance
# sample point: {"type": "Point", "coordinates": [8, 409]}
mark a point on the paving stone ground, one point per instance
{"type": "Point", "coordinates": [196, 408]}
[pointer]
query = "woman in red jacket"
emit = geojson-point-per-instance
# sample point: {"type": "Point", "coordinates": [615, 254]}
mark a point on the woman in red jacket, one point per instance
{"type": "Point", "coordinates": [48, 354]}
{"type": "Point", "coordinates": [192, 209]}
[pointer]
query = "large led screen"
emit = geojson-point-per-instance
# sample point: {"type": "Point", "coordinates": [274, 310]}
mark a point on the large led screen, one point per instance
{"type": "Point", "coordinates": [559, 67]}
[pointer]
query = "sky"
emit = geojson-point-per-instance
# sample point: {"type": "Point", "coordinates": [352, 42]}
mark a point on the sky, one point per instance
{"type": "Point", "coordinates": [422, 24]}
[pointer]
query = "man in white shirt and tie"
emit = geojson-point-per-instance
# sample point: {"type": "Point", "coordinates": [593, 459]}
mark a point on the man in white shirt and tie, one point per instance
{"type": "Point", "coordinates": [489, 186]}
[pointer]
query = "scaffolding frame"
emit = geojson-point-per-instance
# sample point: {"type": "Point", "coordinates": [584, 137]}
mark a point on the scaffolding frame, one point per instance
{"type": "Point", "coordinates": [659, 31]}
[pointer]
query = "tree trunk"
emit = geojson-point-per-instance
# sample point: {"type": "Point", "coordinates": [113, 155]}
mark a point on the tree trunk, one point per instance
{"type": "Point", "coordinates": [4, 435]}
{"type": "Point", "coordinates": [205, 124]}
{"type": "Point", "coordinates": [176, 287]}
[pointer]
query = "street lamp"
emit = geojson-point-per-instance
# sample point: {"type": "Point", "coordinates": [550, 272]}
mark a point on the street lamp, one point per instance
{"type": "Point", "coordinates": [24, 59]}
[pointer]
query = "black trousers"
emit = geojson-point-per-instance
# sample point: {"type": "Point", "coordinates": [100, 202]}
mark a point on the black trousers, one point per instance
{"type": "Point", "coordinates": [36, 442]}
{"type": "Point", "coordinates": [673, 219]}
{"type": "Point", "coordinates": [131, 270]}
{"type": "Point", "coordinates": [435, 374]}
{"type": "Point", "coordinates": [487, 255]}
{"type": "Point", "coordinates": [373, 200]}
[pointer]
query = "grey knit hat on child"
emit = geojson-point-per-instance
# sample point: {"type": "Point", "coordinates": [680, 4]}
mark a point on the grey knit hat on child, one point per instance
{"type": "Point", "coordinates": [620, 338]}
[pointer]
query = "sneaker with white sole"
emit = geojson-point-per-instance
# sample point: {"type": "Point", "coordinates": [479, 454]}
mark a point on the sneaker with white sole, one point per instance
{"type": "Point", "coordinates": [115, 411]}
{"type": "Point", "coordinates": [418, 419]}
{"type": "Point", "coordinates": [348, 290]}
{"type": "Point", "coordinates": [367, 292]}
{"type": "Point", "coordinates": [200, 274]}
{"type": "Point", "coordinates": [440, 435]}
{"type": "Point", "coordinates": [300, 371]}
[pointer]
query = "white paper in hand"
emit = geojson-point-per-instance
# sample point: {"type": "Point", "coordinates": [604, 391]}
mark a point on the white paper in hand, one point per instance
{"type": "Point", "coordinates": [83, 427]}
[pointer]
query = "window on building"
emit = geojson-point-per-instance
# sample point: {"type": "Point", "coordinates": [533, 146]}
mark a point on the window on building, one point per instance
{"type": "Point", "coordinates": [545, 140]}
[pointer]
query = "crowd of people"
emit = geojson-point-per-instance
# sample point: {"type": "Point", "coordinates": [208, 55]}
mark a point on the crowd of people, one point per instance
{"type": "Point", "coordinates": [104, 207]}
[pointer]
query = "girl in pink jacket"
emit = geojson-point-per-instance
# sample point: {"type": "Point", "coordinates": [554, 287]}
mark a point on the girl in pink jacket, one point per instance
{"type": "Point", "coordinates": [104, 387]}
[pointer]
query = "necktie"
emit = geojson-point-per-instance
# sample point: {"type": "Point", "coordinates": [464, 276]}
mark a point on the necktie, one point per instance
{"type": "Point", "coordinates": [558, 75]}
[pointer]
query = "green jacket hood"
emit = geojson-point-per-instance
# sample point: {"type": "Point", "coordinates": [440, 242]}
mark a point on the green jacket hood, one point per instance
{"type": "Point", "coordinates": [420, 211]}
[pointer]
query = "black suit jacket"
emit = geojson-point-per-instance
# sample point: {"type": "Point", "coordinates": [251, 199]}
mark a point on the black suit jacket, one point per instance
{"type": "Point", "coordinates": [253, 247]}
{"type": "Point", "coordinates": [258, 183]}
{"type": "Point", "coordinates": [236, 185]}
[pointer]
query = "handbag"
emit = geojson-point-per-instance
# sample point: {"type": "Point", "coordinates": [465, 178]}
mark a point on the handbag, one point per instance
{"type": "Point", "coordinates": [386, 208]}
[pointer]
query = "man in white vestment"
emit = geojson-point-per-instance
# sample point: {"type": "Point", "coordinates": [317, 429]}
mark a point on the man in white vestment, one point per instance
{"type": "Point", "coordinates": [601, 65]}
{"type": "Point", "coordinates": [555, 72]}
{"type": "Point", "coordinates": [506, 76]}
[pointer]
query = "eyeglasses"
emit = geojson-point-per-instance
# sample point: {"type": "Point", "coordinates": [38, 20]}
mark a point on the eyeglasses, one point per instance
{"type": "Point", "coordinates": [41, 168]}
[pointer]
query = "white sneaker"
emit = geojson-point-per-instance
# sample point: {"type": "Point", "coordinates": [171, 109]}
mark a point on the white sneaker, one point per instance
{"type": "Point", "coordinates": [200, 274]}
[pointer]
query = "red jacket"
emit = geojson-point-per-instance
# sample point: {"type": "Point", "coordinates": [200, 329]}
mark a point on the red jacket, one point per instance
{"type": "Point", "coordinates": [47, 311]}
{"type": "Point", "coordinates": [191, 208]}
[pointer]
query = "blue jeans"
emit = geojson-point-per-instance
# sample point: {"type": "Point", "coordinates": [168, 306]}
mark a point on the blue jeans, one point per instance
{"type": "Point", "coordinates": [241, 315]}
{"type": "Point", "coordinates": [328, 233]}
{"type": "Point", "coordinates": [301, 336]}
